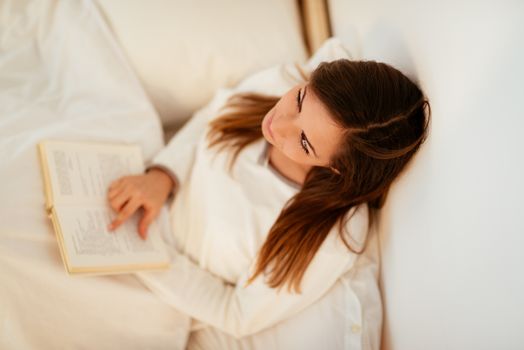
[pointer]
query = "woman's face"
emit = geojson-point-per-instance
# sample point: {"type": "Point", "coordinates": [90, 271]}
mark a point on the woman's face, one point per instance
{"type": "Point", "coordinates": [301, 128]}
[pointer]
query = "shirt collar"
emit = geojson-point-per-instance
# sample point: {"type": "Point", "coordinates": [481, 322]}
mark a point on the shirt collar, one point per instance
{"type": "Point", "coordinates": [263, 160]}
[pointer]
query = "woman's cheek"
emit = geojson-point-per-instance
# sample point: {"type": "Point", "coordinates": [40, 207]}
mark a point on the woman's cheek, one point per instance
{"type": "Point", "coordinates": [291, 154]}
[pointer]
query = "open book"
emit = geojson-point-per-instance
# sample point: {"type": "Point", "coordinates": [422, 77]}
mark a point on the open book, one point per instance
{"type": "Point", "coordinates": [77, 176]}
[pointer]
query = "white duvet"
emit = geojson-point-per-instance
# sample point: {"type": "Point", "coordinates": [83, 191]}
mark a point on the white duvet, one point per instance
{"type": "Point", "coordinates": [63, 76]}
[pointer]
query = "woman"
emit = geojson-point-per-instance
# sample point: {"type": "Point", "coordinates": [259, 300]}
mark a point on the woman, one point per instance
{"type": "Point", "coordinates": [283, 201]}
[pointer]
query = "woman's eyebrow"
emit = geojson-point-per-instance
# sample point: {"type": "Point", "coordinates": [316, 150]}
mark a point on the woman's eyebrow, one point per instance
{"type": "Point", "coordinates": [302, 100]}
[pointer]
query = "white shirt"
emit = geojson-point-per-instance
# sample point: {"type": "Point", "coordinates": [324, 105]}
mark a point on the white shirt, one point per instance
{"type": "Point", "coordinates": [220, 221]}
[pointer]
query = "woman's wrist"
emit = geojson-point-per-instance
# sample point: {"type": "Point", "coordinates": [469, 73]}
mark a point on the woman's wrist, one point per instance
{"type": "Point", "coordinates": [161, 176]}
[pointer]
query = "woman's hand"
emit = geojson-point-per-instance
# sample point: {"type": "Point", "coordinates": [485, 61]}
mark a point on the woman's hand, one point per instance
{"type": "Point", "coordinates": [128, 193]}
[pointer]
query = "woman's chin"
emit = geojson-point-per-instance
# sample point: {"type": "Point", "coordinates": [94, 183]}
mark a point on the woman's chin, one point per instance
{"type": "Point", "coordinates": [268, 139]}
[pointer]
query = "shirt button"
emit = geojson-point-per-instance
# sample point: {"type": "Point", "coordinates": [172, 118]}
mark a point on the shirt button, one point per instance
{"type": "Point", "coordinates": [355, 328]}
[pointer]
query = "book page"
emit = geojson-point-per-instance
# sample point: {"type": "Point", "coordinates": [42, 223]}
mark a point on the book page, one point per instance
{"type": "Point", "coordinates": [80, 172]}
{"type": "Point", "coordinates": [88, 243]}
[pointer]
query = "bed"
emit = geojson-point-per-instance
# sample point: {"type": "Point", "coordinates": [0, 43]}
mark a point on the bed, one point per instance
{"type": "Point", "coordinates": [135, 71]}
{"type": "Point", "coordinates": [69, 71]}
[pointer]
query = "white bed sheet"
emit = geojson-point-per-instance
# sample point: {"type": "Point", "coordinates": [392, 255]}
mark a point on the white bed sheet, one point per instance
{"type": "Point", "coordinates": [62, 75]}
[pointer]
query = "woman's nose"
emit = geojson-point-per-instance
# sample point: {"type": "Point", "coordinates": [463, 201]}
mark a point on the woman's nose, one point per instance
{"type": "Point", "coordinates": [285, 125]}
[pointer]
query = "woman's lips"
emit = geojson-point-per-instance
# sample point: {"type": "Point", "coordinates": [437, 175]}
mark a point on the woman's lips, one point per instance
{"type": "Point", "coordinates": [269, 125]}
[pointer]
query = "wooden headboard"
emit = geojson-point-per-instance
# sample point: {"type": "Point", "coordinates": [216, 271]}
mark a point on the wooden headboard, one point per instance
{"type": "Point", "coordinates": [316, 25]}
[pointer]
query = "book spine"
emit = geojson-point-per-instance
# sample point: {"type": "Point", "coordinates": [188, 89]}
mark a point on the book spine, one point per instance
{"type": "Point", "coordinates": [46, 177]}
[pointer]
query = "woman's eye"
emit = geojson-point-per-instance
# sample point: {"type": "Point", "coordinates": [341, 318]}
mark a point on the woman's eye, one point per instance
{"type": "Point", "coordinates": [303, 142]}
{"type": "Point", "coordinates": [298, 100]}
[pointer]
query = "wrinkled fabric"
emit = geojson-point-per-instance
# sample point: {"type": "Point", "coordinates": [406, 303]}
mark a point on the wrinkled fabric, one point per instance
{"type": "Point", "coordinates": [63, 76]}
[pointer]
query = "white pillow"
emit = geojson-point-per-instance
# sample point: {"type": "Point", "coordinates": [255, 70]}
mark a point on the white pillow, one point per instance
{"type": "Point", "coordinates": [184, 50]}
{"type": "Point", "coordinates": [278, 79]}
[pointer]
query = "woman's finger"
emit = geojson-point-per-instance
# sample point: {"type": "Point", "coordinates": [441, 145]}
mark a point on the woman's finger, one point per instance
{"type": "Point", "coordinates": [113, 192]}
{"type": "Point", "coordinates": [127, 210]}
{"type": "Point", "coordinates": [144, 223]}
{"type": "Point", "coordinates": [118, 201]}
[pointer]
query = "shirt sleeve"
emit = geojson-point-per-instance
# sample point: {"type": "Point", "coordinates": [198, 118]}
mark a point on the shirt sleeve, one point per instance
{"type": "Point", "coordinates": [243, 310]}
{"type": "Point", "coordinates": [177, 157]}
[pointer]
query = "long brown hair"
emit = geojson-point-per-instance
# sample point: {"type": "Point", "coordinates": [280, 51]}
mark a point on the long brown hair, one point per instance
{"type": "Point", "coordinates": [383, 116]}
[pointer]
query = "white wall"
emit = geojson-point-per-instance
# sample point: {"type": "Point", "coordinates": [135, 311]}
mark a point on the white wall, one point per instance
{"type": "Point", "coordinates": [452, 237]}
